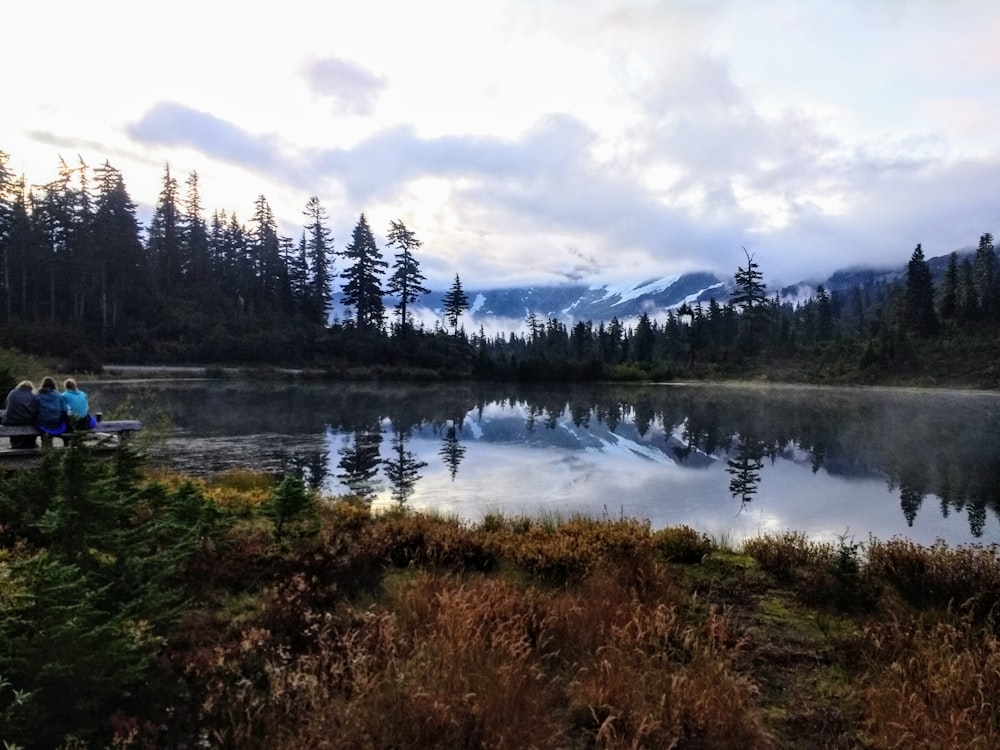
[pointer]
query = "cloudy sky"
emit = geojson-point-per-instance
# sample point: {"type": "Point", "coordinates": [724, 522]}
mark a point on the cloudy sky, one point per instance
{"type": "Point", "coordinates": [536, 142]}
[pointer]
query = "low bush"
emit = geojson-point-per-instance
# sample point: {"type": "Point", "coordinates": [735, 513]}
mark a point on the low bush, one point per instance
{"type": "Point", "coordinates": [966, 577]}
{"type": "Point", "coordinates": [785, 555]}
{"type": "Point", "coordinates": [682, 544]}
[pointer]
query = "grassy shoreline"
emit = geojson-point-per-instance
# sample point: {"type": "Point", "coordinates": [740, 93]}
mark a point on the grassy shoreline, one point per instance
{"type": "Point", "coordinates": [237, 612]}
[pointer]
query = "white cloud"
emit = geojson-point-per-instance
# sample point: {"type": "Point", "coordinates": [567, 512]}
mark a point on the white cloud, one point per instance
{"type": "Point", "coordinates": [599, 141]}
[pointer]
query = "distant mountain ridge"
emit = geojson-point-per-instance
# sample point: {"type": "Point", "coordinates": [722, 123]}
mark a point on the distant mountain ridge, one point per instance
{"type": "Point", "coordinates": [626, 302]}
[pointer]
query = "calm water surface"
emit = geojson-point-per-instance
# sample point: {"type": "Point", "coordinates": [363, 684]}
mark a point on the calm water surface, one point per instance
{"type": "Point", "coordinates": [730, 461]}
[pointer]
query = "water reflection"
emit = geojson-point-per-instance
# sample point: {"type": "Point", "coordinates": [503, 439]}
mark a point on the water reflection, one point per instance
{"type": "Point", "coordinates": [745, 468]}
{"type": "Point", "coordinates": [360, 457]}
{"type": "Point", "coordinates": [452, 451]}
{"type": "Point", "coordinates": [402, 469]}
{"type": "Point", "coordinates": [811, 459]}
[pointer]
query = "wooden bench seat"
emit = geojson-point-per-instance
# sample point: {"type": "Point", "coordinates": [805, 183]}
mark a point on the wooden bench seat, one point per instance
{"type": "Point", "coordinates": [106, 436]}
{"type": "Point", "coordinates": [120, 426]}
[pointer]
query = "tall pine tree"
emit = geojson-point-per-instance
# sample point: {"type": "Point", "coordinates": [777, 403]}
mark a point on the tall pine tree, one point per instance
{"type": "Point", "coordinates": [122, 272]}
{"type": "Point", "coordinates": [918, 302]}
{"type": "Point", "coordinates": [455, 303]}
{"type": "Point", "coordinates": [985, 266]}
{"type": "Point", "coordinates": [164, 236]}
{"type": "Point", "coordinates": [406, 281]}
{"type": "Point", "coordinates": [318, 251]}
{"type": "Point", "coordinates": [750, 300]}
{"type": "Point", "coordinates": [362, 287]}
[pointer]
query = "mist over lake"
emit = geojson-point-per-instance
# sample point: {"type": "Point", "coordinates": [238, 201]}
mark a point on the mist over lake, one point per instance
{"type": "Point", "coordinates": [730, 461]}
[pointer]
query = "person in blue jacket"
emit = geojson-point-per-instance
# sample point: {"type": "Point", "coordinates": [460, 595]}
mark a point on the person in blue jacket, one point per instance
{"type": "Point", "coordinates": [21, 409]}
{"type": "Point", "coordinates": [77, 406]}
{"type": "Point", "coordinates": [51, 416]}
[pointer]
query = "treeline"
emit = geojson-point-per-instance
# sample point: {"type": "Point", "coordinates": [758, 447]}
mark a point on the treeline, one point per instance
{"type": "Point", "coordinates": [82, 279]}
{"type": "Point", "coordinates": [919, 327]}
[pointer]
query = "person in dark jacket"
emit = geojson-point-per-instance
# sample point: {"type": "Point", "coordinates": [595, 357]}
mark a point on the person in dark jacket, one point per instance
{"type": "Point", "coordinates": [21, 409]}
{"type": "Point", "coordinates": [51, 417]}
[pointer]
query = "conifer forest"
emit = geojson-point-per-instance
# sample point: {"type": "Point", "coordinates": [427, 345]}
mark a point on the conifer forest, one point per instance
{"type": "Point", "coordinates": [84, 281]}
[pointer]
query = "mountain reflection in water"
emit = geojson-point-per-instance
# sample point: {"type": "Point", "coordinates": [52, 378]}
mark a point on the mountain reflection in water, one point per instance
{"type": "Point", "coordinates": [730, 461]}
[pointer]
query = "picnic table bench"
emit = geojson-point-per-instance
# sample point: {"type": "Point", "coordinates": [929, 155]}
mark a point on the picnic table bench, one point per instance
{"type": "Point", "coordinates": [102, 430]}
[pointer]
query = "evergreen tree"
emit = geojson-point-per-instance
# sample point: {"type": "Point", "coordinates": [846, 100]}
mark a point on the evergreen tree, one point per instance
{"type": "Point", "coordinates": [918, 311]}
{"type": "Point", "coordinates": [611, 340]}
{"type": "Point", "coordinates": [122, 280]}
{"type": "Point", "coordinates": [22, 244]}
{"type": "Point", "coordinates": [296, 259]}
{"type": "Point", "coordinates": [986, 277]}
{"type": "Point", "coordinates": [195, 257]}
{"type": "Point", "coordinates": [164, 236]}
{"type": "Point", "coordinates": [406, 281]}
{"type": "Point", "coordinates": [581, 341]}
{"type": "Point", "coordinates": [535, 326]}
{"type": "Point", "coordinates": [362, 289]}
{"type": "Point", "coordinates": [291, 502]}
{"type": "Point", "coordinates": [55, 217]}
{"type": "Point", "coordinates": [17, 251]}
{"type": "Point", "coordinates": [79, 261]}
{"type": "Point", "coordinates": [455, 303]}
{"type": "Point", "coordinates": [8, 208]}
{"type": "Point", "coordinates": [750, 300]}
{"type": "Point", "coordinates": [271, 274]}
{"type": "Point", "coordinates": [966, 301]}
{"type": "Point", "coordinates": [318, 251]}
{"type": "Point", "coordinates": [824, 315]}
{"type": "Point", "coordinates": [645, 338]}
{"type": "Point", "coordinates": [949, 289]}
{"type": "Point", "coordinates": [238, 259]}
{"type": "Point", "coordinates": [7, 194]}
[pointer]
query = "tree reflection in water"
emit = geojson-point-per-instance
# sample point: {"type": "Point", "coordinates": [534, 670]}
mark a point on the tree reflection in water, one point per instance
{"type": "Point", "coordinates": [403, 469]}
{"type": "Point", "coordinates": [745, 469]}
{"type": "Point", "coordinates": [359, 461]}
{"type": "Point", "coordinates": [452, 451]}
{"type": "Point", "coordinates": [920, 444]}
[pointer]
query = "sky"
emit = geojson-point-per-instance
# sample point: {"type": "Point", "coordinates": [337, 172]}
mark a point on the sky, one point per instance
{"type": "Point", "coordinates": [538, 142]}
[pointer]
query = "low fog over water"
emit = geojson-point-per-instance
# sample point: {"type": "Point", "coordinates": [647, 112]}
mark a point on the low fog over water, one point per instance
{"type": "Point", "coordinates": [730, 461]}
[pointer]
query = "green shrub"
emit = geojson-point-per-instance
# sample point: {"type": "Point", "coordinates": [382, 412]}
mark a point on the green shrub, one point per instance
{"type": "Point", "coordinates": [942, 576]}
{"type": "Point", "coordinates": [292, 503]}
{"type": "Point", "coordinates": [682, 544]}
{"type": "Point", "coordinates": [784, 555]}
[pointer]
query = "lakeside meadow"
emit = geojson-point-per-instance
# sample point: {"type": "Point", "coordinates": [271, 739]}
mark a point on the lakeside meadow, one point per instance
{"type": "Point", "coordinates": [145, 609]}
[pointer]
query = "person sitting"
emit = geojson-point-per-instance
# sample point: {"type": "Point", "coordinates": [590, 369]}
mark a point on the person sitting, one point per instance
{"type": "Point", "coordinates": [20, 410]}
{"type": "Point", "coordinates": [77, 407]}
{"type": "Point", "coordinates": [51, 416]}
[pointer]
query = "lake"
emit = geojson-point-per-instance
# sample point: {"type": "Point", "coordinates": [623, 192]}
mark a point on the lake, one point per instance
{"type": "Point", "coordinates": [730, 461]}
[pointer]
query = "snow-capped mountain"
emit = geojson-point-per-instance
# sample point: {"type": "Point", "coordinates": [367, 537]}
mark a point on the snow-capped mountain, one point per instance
{"type": "Point", "coordinates": [587, 303]}
{"type": "Point", "coordinates": [507, 308]}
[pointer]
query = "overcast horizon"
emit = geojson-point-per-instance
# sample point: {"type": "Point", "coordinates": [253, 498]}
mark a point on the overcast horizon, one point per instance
{"type": "Point", "coordinates": [540, 143]}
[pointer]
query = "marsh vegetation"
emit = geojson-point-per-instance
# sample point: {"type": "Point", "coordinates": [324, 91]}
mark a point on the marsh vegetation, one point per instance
{"type": "Point", "coordinates": [143, 609]}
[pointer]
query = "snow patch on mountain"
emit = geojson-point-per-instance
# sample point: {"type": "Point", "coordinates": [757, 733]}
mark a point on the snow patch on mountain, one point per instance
{"type": "Point", "coordinates": [626, 293]}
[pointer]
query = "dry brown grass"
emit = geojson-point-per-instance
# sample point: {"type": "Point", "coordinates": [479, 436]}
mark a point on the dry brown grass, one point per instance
{"type": "Point", "coordinates": [966, 577]}
{"type": "Point", "coordinates": [408, 631]}
{"type": "Point", "coordinates": [487, 663]}
{"type": "Point", "coordinates": [933, 685]}
{"type": "Point", "coordinates": [787, 554]}
{"type": "Point", "coordinates": [594, 647]}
